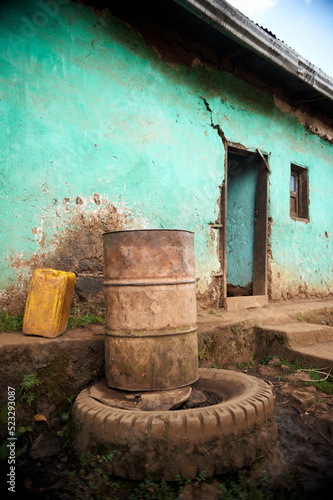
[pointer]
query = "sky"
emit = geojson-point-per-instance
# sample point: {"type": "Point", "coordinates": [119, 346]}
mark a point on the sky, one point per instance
{"type": "Point", "coordinates": [304, 25]}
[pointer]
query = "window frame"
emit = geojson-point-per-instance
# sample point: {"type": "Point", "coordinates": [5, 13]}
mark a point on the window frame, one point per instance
{"type": "Point", "coordinates": [299, 198]}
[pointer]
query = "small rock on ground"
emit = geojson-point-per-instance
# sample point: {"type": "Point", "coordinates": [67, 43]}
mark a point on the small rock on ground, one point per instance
{"type": "Point", "coordinates": [196, 398]}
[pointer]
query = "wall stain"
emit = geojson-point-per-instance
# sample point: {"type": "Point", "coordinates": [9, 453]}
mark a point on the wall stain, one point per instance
{"type": "Point", "coordinates": [77, 248]}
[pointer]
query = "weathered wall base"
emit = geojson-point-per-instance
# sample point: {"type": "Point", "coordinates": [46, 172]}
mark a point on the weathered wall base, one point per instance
{"type": "Point", "coordinates": [76, 246]}
{"type": "Point", "coordinates": [283, 287]}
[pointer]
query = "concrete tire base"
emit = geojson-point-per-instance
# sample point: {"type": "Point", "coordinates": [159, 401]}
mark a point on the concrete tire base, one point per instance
{"type": "Point", "coordinates": [163, 444]}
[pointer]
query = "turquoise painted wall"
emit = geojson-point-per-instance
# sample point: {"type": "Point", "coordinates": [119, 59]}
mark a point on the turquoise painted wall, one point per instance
{"type": "Point", "coordinates": [94, 122]}
{"type": "Point", "coordinates": [242, 176]}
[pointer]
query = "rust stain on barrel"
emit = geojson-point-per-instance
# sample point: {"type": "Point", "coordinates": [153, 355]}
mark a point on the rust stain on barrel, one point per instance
{"type": "Point", "coordinates": [149, 284]}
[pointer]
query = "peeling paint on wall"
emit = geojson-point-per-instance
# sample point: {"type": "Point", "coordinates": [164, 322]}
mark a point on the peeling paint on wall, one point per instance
{"type": "Point", "coordinates": [286, 287]}
{"type": "Point", "coordinates": [311, 123]}
{"type": "Point", "coordinates": [75, 245]}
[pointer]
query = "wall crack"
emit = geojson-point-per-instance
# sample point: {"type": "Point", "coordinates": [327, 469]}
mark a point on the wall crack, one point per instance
{"type": "Point", "coordinates": [213, 125]}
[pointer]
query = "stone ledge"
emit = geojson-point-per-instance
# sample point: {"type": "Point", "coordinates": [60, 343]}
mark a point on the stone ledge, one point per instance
{"type": "Point", "coordinates": [20, 339]}
{"type": "Point", "coordinates": [62, 366]}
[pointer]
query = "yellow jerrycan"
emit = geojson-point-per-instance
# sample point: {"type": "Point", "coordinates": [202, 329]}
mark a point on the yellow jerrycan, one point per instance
{"type": "Point", "coordinates": [48, 303]}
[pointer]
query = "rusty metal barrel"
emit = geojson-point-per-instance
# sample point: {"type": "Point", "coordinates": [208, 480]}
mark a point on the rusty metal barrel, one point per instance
{"type": "Point", "coordinates": [149, 286]}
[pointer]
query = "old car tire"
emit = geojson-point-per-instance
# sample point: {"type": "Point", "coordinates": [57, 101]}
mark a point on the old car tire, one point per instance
{"type": "Point", "coordinates": [216, 439]}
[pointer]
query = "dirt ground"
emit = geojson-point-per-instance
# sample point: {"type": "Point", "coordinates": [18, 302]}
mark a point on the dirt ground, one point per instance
{"type": "Point", "coordinates": [304, 415]}
{"type": "Point", "coordinates": [301, 467]}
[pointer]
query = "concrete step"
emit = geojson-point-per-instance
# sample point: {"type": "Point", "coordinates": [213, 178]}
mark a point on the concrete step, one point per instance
{"type": "Point", "coordinates": [320, 354]}
{"type": "Point", "coordinates": [309, 344]}
{"type": "Point", "coordinates": [298, 333]}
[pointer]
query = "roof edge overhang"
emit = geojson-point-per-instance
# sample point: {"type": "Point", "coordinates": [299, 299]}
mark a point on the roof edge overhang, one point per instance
{"type": "Point", "coordinates": [230, 21]}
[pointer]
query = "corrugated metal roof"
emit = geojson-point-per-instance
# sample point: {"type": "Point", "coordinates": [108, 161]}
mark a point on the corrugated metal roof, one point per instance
{"type": "Point", "coordinates": [221, 27]}
{"type": "Point", "coordinates": [265, 54]}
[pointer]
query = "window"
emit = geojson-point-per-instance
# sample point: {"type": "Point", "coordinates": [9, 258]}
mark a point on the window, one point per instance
{"type": "Point", "coordinates": [299, 193]}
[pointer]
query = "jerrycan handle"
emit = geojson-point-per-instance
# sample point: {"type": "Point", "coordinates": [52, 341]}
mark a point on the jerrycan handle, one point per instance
{"type": "Point", "coordinates": [50, 272]}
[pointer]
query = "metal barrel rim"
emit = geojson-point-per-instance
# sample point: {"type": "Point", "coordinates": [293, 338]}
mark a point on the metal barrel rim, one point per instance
{"type": "Point", "coordinates": [148, 230]}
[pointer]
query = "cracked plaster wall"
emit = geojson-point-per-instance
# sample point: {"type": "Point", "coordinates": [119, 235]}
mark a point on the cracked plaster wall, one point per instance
{"type": "Point", "coordinates": [104, 128]}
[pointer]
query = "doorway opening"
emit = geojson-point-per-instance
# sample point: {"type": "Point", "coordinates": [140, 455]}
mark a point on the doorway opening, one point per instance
{"type": "Point", "coordinates": [245, 223]}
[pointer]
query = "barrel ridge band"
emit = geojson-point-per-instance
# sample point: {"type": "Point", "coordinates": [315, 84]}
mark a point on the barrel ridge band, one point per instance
{"type": "Point", "coordinates": [147, 283]}
{"type": "Point", "coordinates": [147, 333]}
